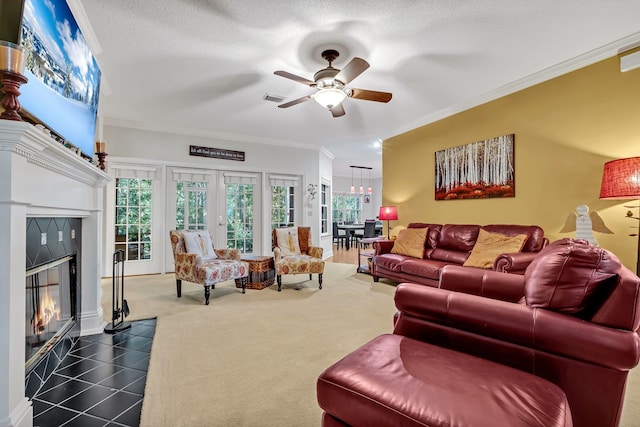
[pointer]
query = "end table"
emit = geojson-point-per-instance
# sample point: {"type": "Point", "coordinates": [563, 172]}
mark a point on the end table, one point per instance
{"type": "Point", "coordinates": [368, 253]}
{"type": "Point", "coordinates": [262, 272]}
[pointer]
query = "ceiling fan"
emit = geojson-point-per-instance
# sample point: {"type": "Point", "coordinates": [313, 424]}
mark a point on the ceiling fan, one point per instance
{"type": "Point", "coordinates": [330, 85]}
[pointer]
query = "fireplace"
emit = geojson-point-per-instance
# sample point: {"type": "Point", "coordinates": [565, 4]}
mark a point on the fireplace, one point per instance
{"type": "Point", "coordinates": [50, 306]}
{"type": "Point", "coordinates": [53, 197]}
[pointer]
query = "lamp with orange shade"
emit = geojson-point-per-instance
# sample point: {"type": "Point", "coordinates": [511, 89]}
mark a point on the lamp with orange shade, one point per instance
{"type": "Point", "coordinates": [621, 180]}
{"type": "Point", "coordinates": [388, 213]}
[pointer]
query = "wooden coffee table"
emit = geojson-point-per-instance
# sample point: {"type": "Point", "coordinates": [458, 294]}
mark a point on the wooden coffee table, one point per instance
{"type": "Point", "coordinates": [261, 272]}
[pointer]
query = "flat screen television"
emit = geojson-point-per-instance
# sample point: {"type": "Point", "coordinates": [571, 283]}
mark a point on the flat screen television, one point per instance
{"type": "Point", "coordinates": [64, 78]}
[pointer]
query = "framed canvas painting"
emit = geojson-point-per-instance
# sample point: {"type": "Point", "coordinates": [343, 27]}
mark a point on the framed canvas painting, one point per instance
{"type": "Point", "coordinates": [479, 170]}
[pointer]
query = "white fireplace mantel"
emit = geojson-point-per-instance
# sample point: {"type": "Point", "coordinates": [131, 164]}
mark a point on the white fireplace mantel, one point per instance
{"type": "Point", "coordinates": [39, 177]}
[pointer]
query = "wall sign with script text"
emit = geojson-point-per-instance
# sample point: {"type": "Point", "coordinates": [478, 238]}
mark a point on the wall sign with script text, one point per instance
{"type": "Point", "coordinates": [216, 153]}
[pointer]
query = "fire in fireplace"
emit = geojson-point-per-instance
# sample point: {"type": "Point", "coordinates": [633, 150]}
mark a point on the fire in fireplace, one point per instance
{"type": "Point", "coordinates": [50, 305]}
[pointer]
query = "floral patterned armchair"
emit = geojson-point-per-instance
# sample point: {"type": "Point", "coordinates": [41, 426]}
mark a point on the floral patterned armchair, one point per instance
{"type": "Point", "coordinates": [197, 261]}
{"type": "Point", "coordinates": [293, 253]}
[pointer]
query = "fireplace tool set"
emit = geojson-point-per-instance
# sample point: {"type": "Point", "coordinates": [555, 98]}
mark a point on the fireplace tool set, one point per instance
{"type": "Point", "coordinates": [120, 308]}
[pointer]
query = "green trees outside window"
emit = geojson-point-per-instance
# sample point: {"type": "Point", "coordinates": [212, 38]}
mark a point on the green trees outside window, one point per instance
{"type": "Point", "coordinates": [133, 218]}
{"type": "Point", "coordinates": [347, 207]}
{"type": "Point", "coordinates": [282, 206]}
{"type": "Point", "coordinates": [191, 205]}
{"type": "Point", "coordinates": [240, 217]}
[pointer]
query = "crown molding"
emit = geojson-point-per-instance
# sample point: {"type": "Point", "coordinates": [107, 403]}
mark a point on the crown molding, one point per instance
{"type": "Point", "coordinates": [589, 58]}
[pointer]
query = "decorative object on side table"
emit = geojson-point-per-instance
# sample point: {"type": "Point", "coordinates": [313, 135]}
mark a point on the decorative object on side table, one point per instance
{"type": "Point", "coordinates": [262, 272]}
{"type": "Point", "coordinates": [101, 148]}
{"type": "Point", "coordinates": [11, 69]}
{"type": "Point", "coordinates": [388, 213]}
{"type": "Point", "coordinates": [621, 181]}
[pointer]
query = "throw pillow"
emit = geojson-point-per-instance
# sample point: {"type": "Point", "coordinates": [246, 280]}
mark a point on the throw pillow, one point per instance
{"type": "Point", "coordinates": [393, 234]}
{"type": "Point", "coordinates": [199, 242]}
{"type": "Point", "coordinates": [569, 275]}
{"type": "Point", "coordinates": [489, 246]}
{"type": "Point", "coordinates": [288, 241]}
{"type": "Point", "coordinates": [410, 242]}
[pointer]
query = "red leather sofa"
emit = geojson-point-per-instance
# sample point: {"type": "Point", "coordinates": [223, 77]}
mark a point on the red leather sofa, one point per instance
{"type": "Point", "coordinates": [572, 319]}
{"type": "Point", "coordinates": [451, 244]}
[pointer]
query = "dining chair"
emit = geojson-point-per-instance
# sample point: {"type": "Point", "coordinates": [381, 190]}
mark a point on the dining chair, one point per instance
{"type": "Point", "coordinates": [338, 238]}
{"type": "Point", "coordinates": [368, 232]}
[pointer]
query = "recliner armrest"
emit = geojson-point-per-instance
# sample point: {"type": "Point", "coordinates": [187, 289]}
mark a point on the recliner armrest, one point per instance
{"type": "Point", "coordinates": [482, 282]}
{"type": "Point", "coordinates": [456, 316]}
{"type": "Point", "coordinates": [515, 263]}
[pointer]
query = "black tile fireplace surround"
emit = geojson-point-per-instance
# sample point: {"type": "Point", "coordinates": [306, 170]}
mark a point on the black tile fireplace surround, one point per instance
{"type": "Point", "coordinates": [48, 240]}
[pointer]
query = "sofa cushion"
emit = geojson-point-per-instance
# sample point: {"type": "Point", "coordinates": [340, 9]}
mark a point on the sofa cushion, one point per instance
{"type": "Point", "coordinates": [569, 276]}
{"type": "Point", "coordinates": [458, 237]}
{"type": "Point", "coordinates": [490, 245]}
{"type": "Point", "coordinates": [432, 235]}
{"type": "Point", "coordinates": [410, 242]}
{"type": "Point", "coordinates": [398, 381]}
{"type": "Point", "coordinates": [423, 268]}
{"type": "Point", "coordinates": [390, 262]}
{"type": "Point", "coordinates": [199, 242]}
{"type": "Point", "coordinates": [534, 243]}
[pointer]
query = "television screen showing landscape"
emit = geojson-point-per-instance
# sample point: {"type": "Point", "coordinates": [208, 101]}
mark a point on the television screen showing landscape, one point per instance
{"type": "Point", "coordinates": [64, 78]}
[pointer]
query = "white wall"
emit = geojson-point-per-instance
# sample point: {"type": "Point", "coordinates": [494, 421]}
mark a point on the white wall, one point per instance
{"type": "Point", "coordinates": [144, 147]}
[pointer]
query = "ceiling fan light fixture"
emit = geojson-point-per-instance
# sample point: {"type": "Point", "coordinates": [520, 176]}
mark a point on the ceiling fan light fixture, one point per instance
{"type": "Point", "coordinates": [329, 97]}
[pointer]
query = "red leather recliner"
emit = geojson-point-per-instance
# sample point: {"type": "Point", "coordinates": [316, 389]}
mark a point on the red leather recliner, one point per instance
{"type": "Point", "coordinates": [572, 319]}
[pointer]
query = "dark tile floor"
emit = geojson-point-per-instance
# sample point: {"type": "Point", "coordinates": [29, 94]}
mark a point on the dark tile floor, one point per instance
{"type": "Point", "coordinates": [100, 382]}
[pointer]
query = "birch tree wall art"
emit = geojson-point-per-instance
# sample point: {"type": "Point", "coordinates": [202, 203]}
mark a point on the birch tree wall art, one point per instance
{"type": "Point", "coordinates": [479, 170]}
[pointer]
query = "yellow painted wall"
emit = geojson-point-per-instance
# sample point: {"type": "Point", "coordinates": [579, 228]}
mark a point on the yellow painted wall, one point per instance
{"type": "Point", "coordinates": [565, 130]}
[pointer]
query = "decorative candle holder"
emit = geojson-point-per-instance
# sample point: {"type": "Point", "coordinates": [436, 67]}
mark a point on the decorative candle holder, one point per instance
{"type": "Point", "coordinates": [101, 147]}
{"type": "Point", "coordinates": [11, 69]}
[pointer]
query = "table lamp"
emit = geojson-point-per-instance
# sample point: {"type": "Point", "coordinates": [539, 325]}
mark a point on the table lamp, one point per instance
{"type": "Point", "coordinates": [621, 180]}
{"type": "Point", "coordinates": [388, 213]}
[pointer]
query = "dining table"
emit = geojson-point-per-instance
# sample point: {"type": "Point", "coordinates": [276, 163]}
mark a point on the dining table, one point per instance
{"type": "Point", "coordinates": [350, 230]}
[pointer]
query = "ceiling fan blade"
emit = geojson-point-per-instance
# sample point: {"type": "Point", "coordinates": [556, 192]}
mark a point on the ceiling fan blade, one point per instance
{"type": "Point", "coordinates": [370, 95]}
{"type": "Point", "coordinates": [338, 110]}
{"type": "Point", "coordinates": [352, 70]}
{"type": "Point", "coordinates": [295, 78]}
{"type": "Point", "coordinates": [295, 102]}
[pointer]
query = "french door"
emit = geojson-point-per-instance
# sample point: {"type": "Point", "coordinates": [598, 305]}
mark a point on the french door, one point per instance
{"type": "Point", "coordinates": [239, 211]}
{"type": "Point", "coordinates": [228, 204]}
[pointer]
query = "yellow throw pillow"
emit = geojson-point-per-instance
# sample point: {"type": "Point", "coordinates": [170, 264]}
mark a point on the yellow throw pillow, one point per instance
{"type": "Point", "coordinates": [490, 245]}
{"type": "Point", "coordinates": [393, 234]}
{"type": "Point", "coordinates": [410, 242]}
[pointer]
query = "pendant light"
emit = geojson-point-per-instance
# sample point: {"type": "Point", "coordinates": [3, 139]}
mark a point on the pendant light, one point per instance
{"type": "Point", "coordinates": [361, 188]}
{"type": "Point", "coordinates": [353, 188]}
{"type": "Point", "coordinates": [370, 190]}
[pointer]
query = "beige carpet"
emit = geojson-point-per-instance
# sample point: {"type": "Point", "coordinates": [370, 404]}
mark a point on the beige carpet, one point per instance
{"type": "Point", "coordinates": [253, 359]}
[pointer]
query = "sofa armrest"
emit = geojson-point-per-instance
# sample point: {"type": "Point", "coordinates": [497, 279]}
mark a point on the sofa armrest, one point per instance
{"type": "Point", "coordinates": [185, 266]}
{"type": "Point", "coordinates": [426, 311]}
{"type": "Point", "coordinates": [315, 251]}
{"type": "Point", "coordinates": [228, 254]}
{"type": "Point", "coordinates": [382, 247]}
{"type": "Point", "coordinates": [515, 263]}
{"type": "Point", "coordinates": [482, 282]}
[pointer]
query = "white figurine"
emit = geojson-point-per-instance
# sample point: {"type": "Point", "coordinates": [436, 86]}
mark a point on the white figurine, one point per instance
{"type": "Point", "coordinates": [584, 224]}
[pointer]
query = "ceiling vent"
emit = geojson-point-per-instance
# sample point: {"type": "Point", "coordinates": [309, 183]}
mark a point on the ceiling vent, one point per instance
{"type": "Point", "coordinates": [273, 98]}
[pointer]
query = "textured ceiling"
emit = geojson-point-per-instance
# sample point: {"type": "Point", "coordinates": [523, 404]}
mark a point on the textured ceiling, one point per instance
{"type": "Point", "coordinates": [204, 66]}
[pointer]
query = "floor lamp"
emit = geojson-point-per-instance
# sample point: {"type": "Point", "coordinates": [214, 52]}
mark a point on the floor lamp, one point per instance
{"type": "Point", "coordinates": [621, 180]}
{"type": "Point", "coordinates": [388, 213]}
